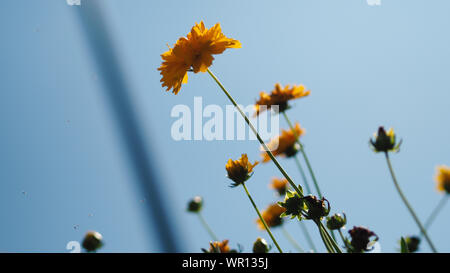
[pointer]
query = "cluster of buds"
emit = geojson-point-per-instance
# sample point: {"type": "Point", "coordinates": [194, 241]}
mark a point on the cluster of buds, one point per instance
{"type": "Point", "coordinates": [308, 207]}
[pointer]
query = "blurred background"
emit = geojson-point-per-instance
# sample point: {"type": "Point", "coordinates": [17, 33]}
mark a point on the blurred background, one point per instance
{"type": "Point", "coordinates": [85, 126]}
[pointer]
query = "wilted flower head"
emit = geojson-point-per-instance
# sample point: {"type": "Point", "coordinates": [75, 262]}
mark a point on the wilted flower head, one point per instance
{"type": "Point", "coordinates": [385, 141]}
{"type": "Point", "coordinates": [280, 96]}
{"type": "Point", "coordinates": [336, 221]}
{"type": "Point", "coordinates": [316, 208]}
{"type": "Point", "coordinates": [361, 238]}
{"type": "Point", "coordinates": [412, 242]}
{"type": "Point", "coordinates": [239, 170]}
{"type": "Point", "coordinates": [260, 246]}
{"type": "Point", "coordinates": [195, 205]}
{"type": "Point", "coordinates": [443, 178]}
{"type": "Point", "coordinates": [92, 241]}
{"type": "Point", "coordinates": [193, 52]}
{"type": "Point", "coordinates": [219, 247]}
{"type": "Point", "coordinates": [272, 216]}
{"type": "Point", "coordinates": [294, 205]}
{"type": "Point", "coordinates": [281, 185]}
{"type": "Point", "coordinates": [285, 144]}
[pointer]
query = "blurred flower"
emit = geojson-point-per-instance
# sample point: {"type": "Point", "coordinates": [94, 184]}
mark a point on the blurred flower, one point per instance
{"type": "Point", "coordinates": [385, 141]}
{"type": "Point", "coordinates": [195, 205]}
{"type": "Point", "coordinates": [413, 243]}
{"type": "Point", "coordinates": [193, 52]}
{"type": "Point", "coordinates": [443, 178]}
{"type": "Point", "coordinates": [239, 170]}
{"type": "Point", "coordinates": [260, 246]}
{"type": "Point", "coordinates": [336, 221]}
{"type": "Point", "coordinates": [361, 238]}
{"type": "Point", "coordinates": [293, 204]}
{"type": "Point", "coordinates": [317, 208]}
{"type": "Point", "coordinates": [280, 96]}
{"type": "Point", "coordinates": [92, 241]}
{"type": "Point", "coordinates": [284, 144]}
{"type": "Point", "coordinates": [272, 216]}
{"type": "Point", "coordinates": [219, 247]}
{"type": "Point", "coordinates": [281, 185]}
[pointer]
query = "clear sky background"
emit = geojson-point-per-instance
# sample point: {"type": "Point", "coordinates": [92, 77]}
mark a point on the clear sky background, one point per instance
{"type": "Point", "coordinates": [62, 165]}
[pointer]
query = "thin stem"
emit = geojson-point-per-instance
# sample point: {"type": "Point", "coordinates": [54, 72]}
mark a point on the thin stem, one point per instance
{"type": "Point", "coordinates": [206, 226]}
{"type": "Point", "coordinates": [302, 172]}
{"type": "Point", "coordinates": [400, 192]}
{"type": "Point", "coordinates": [261, 218]}
{"type": "Point", "coordinates": [343, 239]}
{"type": "Point", "coordinates": [308, 236]}
{"type": "Point", "coordinates": [308, 164]}
{"type": "Point", "coordinates": [302, 150]}
{"type": "Point", "coordinates": [325, 239]}
{"type": "Point", "coordinates": [332, 240]}
{"type": "Point", "coordinates": [291, 239]}
{"type": "Point", "coordinates": [266, 149]}
{"type": "Point", "coordinates": [435, 212]}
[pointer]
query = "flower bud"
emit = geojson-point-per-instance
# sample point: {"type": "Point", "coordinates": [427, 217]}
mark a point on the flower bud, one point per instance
{"type": "Point", "coordinates": [336, 221]}
{"type": "Point", "coordinates": [385, 141]}
{"type": "Point", "coordinates": [413, 243]}
{"type": "Point", "coordinates": [361, 238]}
{"type": "Point", "coordinates": [317, 208]}
{"type": "Point", "coordinates": [92, 241]}
{"type": "Point", "coordinates": [260, 246]}
{"type": "Point", "coordinates": [195, 205]}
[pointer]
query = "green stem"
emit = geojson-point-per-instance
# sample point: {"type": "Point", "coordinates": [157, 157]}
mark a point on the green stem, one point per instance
{"type": "Point", "coordinates": [206, 226]}
{"type": "Point", "coordinates": [435, 212]}
{"type": "Point", "coordinates": [344, 240]}
{"type": "Point", "coordinates": [302, 172]}
{"type": "Point", "coordinates": [308, 236]}
{"type": "Point", "coordinates": [261, 218]}
{"type": "Point", "coordinates": [325, 239]}
{"type": "Point", "coordinates": [308, 164]}
{"type": "Point", "coordinates": [291, 239]}
{"type": "Point", "coordinates": [403, 197]}
{"type": "Point", "coordinates": [331, 239]}
{"type": "Point", "coordinates": [302, 150]}
{"type": "Point", "coordinates": [266, 149]}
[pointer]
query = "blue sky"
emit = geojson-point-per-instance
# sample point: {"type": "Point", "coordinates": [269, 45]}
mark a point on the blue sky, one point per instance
{"type": "Point", "coordinates": [63, 169]}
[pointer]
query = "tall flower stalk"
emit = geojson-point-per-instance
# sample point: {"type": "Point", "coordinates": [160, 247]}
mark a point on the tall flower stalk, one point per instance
{"type": "Point", "coordinates": [385, 142]}
{"type": "Point", "coordinates": [261, 218]}
{"type": "Point", "coordinates": [408, 205]}
{"type": "Point", "coordinates": [266, 149]}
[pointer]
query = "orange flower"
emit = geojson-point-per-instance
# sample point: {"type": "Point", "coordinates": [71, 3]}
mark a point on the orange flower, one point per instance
{"type": "Point", "coordinates": [271, 216]}
{"type": "Point", "coordinates": [285, 144]}
{"type": "Point", "coordinates": [280, 185]}
{"type": "Point", "coordinates": [239, 170]}
{"type": "Point", "coordinates": [280, 96]}
{"type": "Point", "coordinates": [193, 52]}
{"type": "Point", "coordinates": [443, 178]}
{"type": "Point", "coordinates": [223, 247]}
